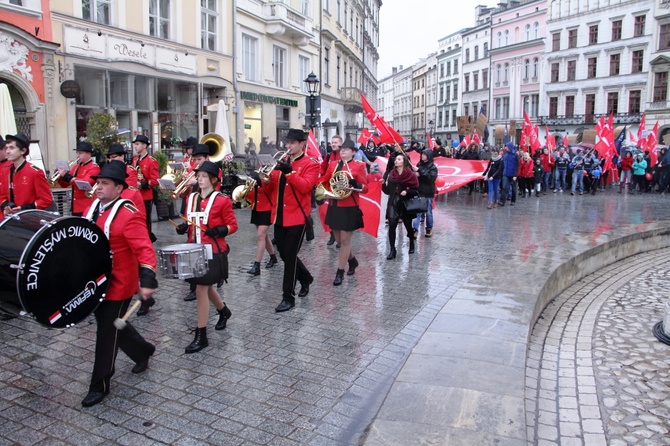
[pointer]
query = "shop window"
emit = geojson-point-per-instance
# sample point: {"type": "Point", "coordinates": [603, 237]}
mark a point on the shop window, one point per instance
{"type": "Point", "coordinates": [92, 87]}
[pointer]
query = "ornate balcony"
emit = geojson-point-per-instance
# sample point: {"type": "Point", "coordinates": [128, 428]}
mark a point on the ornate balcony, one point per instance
{"type": "Point", "coordinates": [659, 105]}
{"type": "Point", "coordinates": [352, 99]}
{"type": "Point", "coordinates": [619, 118]}
{"type": "Point", "coordinates": [281, 20]}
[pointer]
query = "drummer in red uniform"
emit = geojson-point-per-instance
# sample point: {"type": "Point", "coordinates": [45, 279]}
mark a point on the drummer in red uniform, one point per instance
{"type": "Point", "coordinates": [83, 170]}
{"type": "Point", "coordinates": [147, 178]}
{"type": "Point", "coordinates": [290, 186]}
{"type": "Point", "coordinates": [133, 270]}
{"type": "Point", "coordinates": [213, 212]}
{"type": "Point", "coordinates": [22, 185]}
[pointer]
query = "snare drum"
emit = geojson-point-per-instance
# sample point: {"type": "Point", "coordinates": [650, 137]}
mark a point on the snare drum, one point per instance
{"type": "Point", "coordinates": [183, 261]}
{"type": "Point", "coordinates": [56, 268]}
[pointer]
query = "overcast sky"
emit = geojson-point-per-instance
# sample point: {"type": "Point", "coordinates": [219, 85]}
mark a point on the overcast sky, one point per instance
{"type": "Point", "coordinates": [410, 29]}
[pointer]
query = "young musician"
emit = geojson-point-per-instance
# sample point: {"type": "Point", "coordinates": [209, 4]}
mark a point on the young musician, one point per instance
{"type": "Point", "coordinates": [261, 214]}
{"type": "Point", "coordinates": [22, 185]}
{"type": "Point", "coordinates": [344, 216]}
{"type": "Point", "coordinates": [133, 270]}
{"type": "Point", "coordinates": [213, 219]}
{"type": "Point", "coordinates": [147, 178]}
{"type": "Point", "coordinates": [290, 185]}
{"type": "Point", "coordinates": [83, 170]}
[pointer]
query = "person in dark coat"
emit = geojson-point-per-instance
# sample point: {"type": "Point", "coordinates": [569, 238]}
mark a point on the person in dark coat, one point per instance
{"type": "Point", "coordinates": [402, 183]}
{"type": "Point", "coordinates": [427, 173]}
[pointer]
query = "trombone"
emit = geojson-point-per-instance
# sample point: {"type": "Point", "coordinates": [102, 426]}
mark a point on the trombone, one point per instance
{"type": "Point", "coordinates": [53, 180]}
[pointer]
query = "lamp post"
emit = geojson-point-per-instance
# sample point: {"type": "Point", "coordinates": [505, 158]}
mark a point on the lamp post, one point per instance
{"type": "Point", "coordinates": [313, 108]}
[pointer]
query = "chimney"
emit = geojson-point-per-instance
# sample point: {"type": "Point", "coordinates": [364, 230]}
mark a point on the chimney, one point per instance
{"type": "Point", "coordinates": [394, 70]}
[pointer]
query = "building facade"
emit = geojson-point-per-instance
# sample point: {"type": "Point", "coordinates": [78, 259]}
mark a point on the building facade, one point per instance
{"type": "Point", "coordinates": [448, 60]}
{"type": "Point", "coordinates": [476, 65]}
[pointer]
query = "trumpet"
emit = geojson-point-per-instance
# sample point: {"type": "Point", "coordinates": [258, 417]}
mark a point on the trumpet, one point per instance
{"type": "Point", "coordinates": [91, 193]}
{"type": "Point", "coordinates": [182, 185]}
{"type": "Point", "coordinates": [265, 170]}
{"type": "Point", "coordinates": [53, 181]}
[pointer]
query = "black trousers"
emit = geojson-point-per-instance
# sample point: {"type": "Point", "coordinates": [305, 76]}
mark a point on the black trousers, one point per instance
{"type": "Point", "coordinates": [109, 340]}
{"type": "Point", "coordinates": [289, 240]}
{"type": "Point", "coordinates": [147, 208]}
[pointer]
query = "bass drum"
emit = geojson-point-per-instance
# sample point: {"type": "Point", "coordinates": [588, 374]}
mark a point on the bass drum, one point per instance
{"type": "Point", "coordinates": [56, 268]}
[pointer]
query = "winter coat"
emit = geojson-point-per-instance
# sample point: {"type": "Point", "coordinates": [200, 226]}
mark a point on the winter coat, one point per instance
{"type": "Point", "coordinates": [427, 175]}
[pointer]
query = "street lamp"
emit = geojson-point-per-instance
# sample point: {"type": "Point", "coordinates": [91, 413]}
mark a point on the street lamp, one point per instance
{"type": "Point", "coordinates": [313, 107]}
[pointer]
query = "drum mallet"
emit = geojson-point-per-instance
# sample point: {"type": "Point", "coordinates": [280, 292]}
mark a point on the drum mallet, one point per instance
{"type": "Point", "coordinates": [120, 323]}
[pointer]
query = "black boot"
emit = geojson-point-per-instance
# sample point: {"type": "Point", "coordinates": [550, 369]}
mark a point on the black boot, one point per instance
{"type": "Point", "coordinates": [199, 342]}
{"type": "Point", "coordinates": [332, 239]}
{"type": "Point", "coordinates": [144, 307]}
{"type": "Point", "coordinates": [224, 315]}
{"type": "Point", "coordinates": [411, 245]}
{"type": "Point", "coordinates": [255, 270]}
{"type": "Point", "coordinates": [272, 262]}
{"type": "Point", "coordinates": [339, 275]}
{"type": "Point", "coordinates": [353, 264]}
{"type": "Point", "coordinates": [392, 254]}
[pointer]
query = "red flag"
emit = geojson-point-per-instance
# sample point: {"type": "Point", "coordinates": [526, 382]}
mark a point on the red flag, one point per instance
{"type": "Point", "coordinates": [365, 136]}
{"type": "Point", "coordinates": [387, 133]}
{"type": "Point", "coordinates": [370, 204]}
{"type": "Point", "coordinates": [313, 148]}
{"type": "Point", "coordinates": [641, 129]}
{"type": "Point", "coordinates": [600, 126]}
{"type": "Point", "coordinates": [652, 143]}
{"type": "Point", "coordinates": [535, 140]}
{"type": "Point", "coordinates": [475, 137]}
{"type": "Point", "coordinates": [633, 139]}
{"type": "Point", "coordinates": [429, 141]}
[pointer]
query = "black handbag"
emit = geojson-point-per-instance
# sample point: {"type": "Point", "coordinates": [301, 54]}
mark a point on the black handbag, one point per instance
{"type": "Point", "coordinates": [416, 205]}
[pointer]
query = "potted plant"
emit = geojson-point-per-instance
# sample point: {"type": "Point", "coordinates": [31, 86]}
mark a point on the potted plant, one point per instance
{"type": "Point", "coordinates": [101, 131]}
{"type": "Point", "coordinates": [162, 197]}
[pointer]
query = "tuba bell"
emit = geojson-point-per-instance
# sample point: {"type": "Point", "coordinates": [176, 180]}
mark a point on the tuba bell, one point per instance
{"type": "Point", "coordinates": [339, 187]}
{"type": "Point", "coordinates": [216, 145]}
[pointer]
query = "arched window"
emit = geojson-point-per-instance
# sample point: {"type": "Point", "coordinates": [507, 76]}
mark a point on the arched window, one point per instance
{"type": "Point", "coordinates": [499, 39]}
{"type": "Point", "coordinates": [498, 73]}
{"type": "Point", "coordinates": [537, 30]}
{"type": "Point", "coordinates": [526, 73]}
{"type": "Point", "coordinates": [506, 37]}
{"type": "Point", "coordinates": [506, 73]}
{"type": "Point", "coordinates": [476, 52]}
{"type": "Point", "coordinates": [527, 32]}
{"type": "Point", "coordinates": [535, 67]}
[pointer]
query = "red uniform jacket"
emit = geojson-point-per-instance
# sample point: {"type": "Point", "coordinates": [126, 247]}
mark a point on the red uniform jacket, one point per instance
{"type": "Point", "coordinates": [358, 171]}
{"type": "Point", "coordinates": [135, 196]}
{"type": "Point", "coordinates": [221, 214]}
{"type": "Point", "coordinates": [301, 181]}
{"type": "Point", "coordinates": [30, 187]}
{"type": "Point", "coordinates": [526, 168]}
{"type": "Point", "coordinates": [148, 167]}
{"type": "Point", "coordinates": [131, 180]}
{"type": "Point", "coordinates": [131, 250]}
{"type": "Point", "coordinates": [81, 172]}
{"type": "Point", "coordinates": [262, 200]}
{"type": "Point", "coordinates": [329, 158]}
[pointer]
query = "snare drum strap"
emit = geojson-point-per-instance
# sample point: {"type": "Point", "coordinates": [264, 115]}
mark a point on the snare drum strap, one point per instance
{"type": "Point", "coordinates": [194, 201]}
{"type": "Point", "coordinates": [93, 214]}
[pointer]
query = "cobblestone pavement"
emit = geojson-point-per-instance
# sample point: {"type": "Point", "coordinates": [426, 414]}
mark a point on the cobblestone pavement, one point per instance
{"type": "Point", "coordinates": [596, 374]}
{"type": "Point", "coordinates": [315, 375]}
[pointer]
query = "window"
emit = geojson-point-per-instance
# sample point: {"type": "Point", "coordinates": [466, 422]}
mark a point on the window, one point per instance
{"type": "Point", "coordinates": [639, 26]}
{"type": "Point", "coordinates": [534, 105]}
{"type": "Point", "coordinates": [441, 70]}
{"type": "Point", "coordinates": [526, 68]}
{"type": "Point", "coordinates": [339, 10]}
{"type": "Point", "coordinates": [615, 60]}
{"type": "Point", "coordinates": [448, 94]}
{"type": "Point", "coordinates": [455, 91]}
{"type": "Point", "coordinates": [467, 82]}
{"type": "Point", "coordinates": [337, 74]}
{"type": "Point", "coordinates": [572, 38]}
{"type": "Point", "coordinates": [441, 93]}
{"type": "Point", "coordinates": [498, 73]}
{"type": "Point", "coordinates": [208, 24]}
{"type": "Point", "coordinates": [448, 68]}
{"type": "Point", "coordinates": [590, 107]}
{"type": "Point", "coordinates": [556, 41]}
{"type": "Point", "coordinates": [525, 104]}
{"type": "Point", "coordinates": [661, 86]}
{"type": "Point", "coordinates": [593, 34]}
{"type": "Point", "coordinates": [455, 66]}
{"type": "Point", "coordinates": [506, 37]}
{"type": "Point", "coordinates": [475, 81]}
{"type": "Point", "coordinates": [326, 65]}
{"type": "Point", "coordinates": [536, 63]}
{"type": "Point", "coordinates": [159, 18]}
{"type": "Point", "coordinates": [467, 55]}
{"type": "Point", "coordinates": [250, 57]}
{"type": "Point", "coordinates": [466, 109]}
{"type": "Point", "coordinates": [499, 39]}
{"type": "Point", "coordinates": [591, 65]}
{"type": "Point", "coordinates": [505, 107]}
{"type": "Point", "coordinates": [506, 72]}
{"type": "Point", "coordinates": [553, 107]}
{"type": "Point", "coordinates": [498, 109]}
{"type": "Point", "coordinates": [303, 69]}
{"type": "Point", "coordinates": [664, 37]}
{"type": "Point", "coordinates": [572, 69]}
{"type": "Point", "coordinates": [638, 57]}
{"type": "Point", "coordinates": [527, 32]}
{"type": "Point", "coordinates": [485, 78]}
{"type": "Point", "coordinates": [536, 26]}
{"type": "Point", "coordinates": [569, 106]}
{"type": "Point", "coordinates": [476, 52]}
{"type": "Point", "coordinates": [554, 72]}
{"type": "Point", "coordinates": [486, 50]}
{"type": "Point", "coordinates": [634, 101]}
{"type": "Point", "coordinates": [279, 66]}
{"type": "Point", "coordinates": [616, 30]}
{"type": "Point", "coordinates": [345, 76]}
{"type": "Point", "coordinates": [612, 103]}
{"type": "Point", "coordinates": [345, 19]}
{"type": "Point", "coordinates": [98, 11]}
{"type": "Point", "coordinates": [307, 8]}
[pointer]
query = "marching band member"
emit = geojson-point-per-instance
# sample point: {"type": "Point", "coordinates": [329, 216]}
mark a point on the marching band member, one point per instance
{"type": "Point", "coordinates": [344, 216]}
{"type": "Point", "coordinates": [261, 214]}
{"type": "Point", "coordinates": [147, 178]}
{"type": "Point", "coordinates": [83, 170]}
{"type": "Point", "coordinates": [133, 269]}
{"type": "Point", "coordinates": [290, 185]}
{"type": "Point", "coordinates": [117, 152]}
{"type": "Point", "coordinates": [3, 155]}
{"type": "Point", "coordinates": [213, 212]}
{"type": "Point", "coordinates": [22, 185]}
{"type": "Point", "coordinates": [189, 162]}
{"type": "Point", "coordinates": [334, 155]}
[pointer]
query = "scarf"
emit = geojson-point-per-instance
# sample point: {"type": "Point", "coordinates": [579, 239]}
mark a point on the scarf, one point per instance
{"type": "Point", "coordinates": [406, 179]}
{"type": "Point", "coordinates": [495, 158]}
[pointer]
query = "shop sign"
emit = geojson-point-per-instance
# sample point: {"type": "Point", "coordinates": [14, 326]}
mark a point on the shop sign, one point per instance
{"type": "Point", "coordinates": [245, 95]}
{"type": "Point", "coordinates": [69, 89]}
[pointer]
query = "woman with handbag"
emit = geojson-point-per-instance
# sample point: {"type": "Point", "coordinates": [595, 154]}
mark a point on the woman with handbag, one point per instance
{"type": "Point", "coordinates": [211, 219]}
{"type": "Point", "coordinates": [427, 173]}
{"type": "Point", "coordinates": [344, 216]}
{"type": "Point", "coordinates": [401, 184]}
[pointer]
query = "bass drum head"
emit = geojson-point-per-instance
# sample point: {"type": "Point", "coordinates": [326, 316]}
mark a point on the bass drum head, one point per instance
{"type": "Point", "coordinates": [65, 271]}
